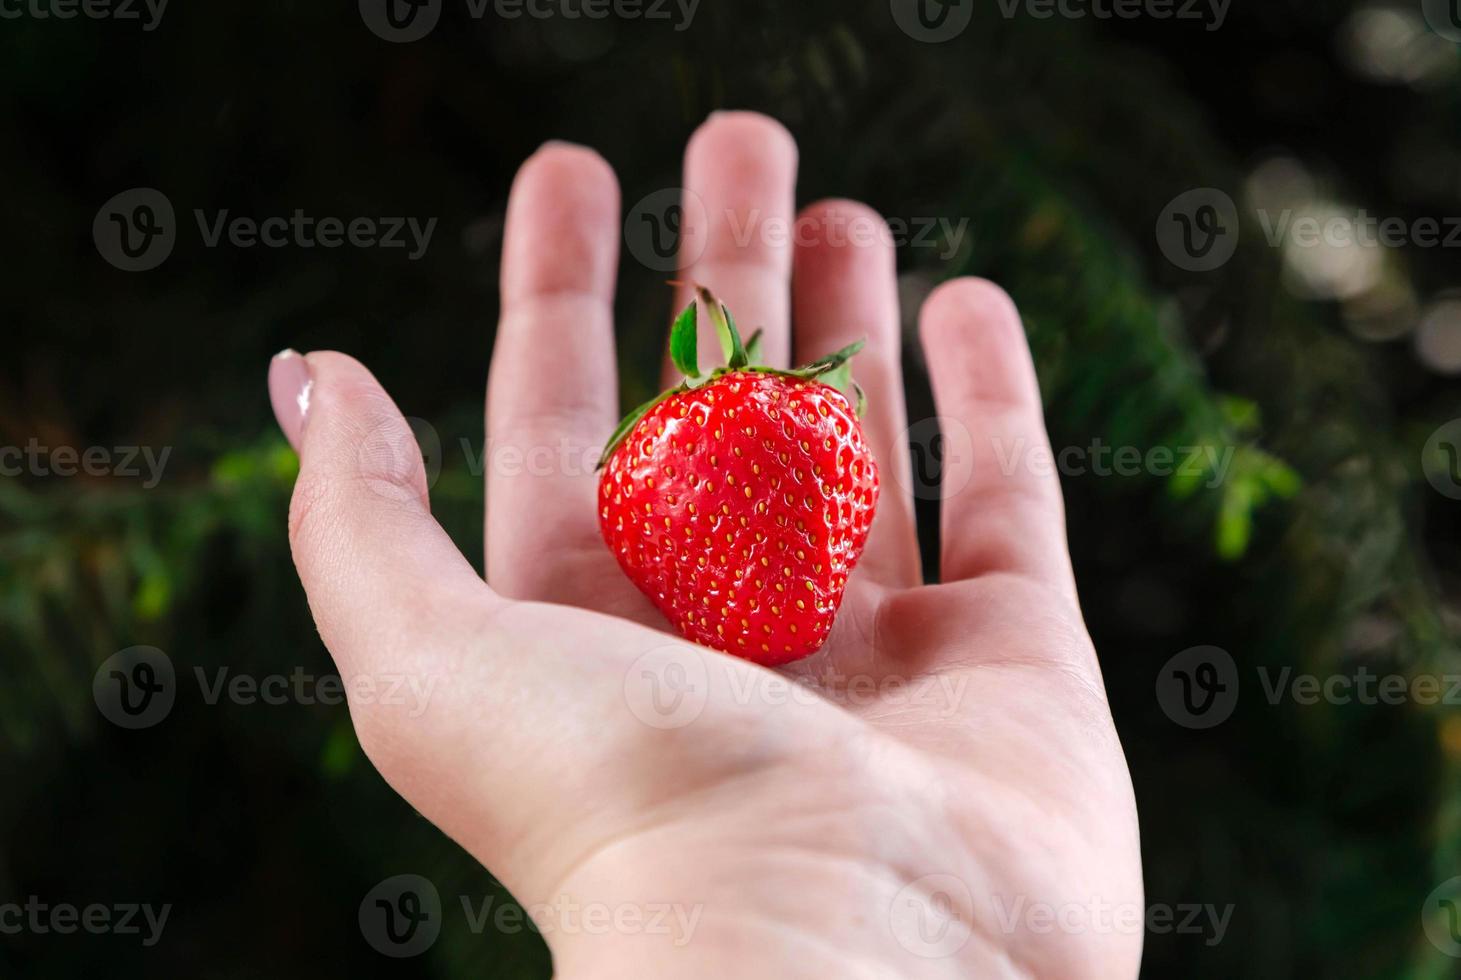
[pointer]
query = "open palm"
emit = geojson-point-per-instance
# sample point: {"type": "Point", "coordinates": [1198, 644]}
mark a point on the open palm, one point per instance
{"type": "Point", "coordinates": [939, 791]}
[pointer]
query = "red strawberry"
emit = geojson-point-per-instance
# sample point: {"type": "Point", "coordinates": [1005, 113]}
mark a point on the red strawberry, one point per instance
{"type": "Point", "coordinates": [738, 502]}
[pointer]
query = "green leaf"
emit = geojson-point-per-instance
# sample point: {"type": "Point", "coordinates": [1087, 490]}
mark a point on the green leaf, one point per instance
{"type": "Point", "coordinates": [831, 362]}
{"type": "Point", "coordinates": [1241, 413]}
{"type": "Point", "coordinates": [1235, 520]}
{"type": "Point", "coordinates": [755, 352]}
{"type": "Point", "coordinates": [731, 347]}
{"type": "Point", "coordinates": [739, 356]}
{"type": "Point", "coordinates": [683, 337]}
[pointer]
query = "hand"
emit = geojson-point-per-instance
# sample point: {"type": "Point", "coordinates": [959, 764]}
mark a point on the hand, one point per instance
{"type": "Point", "coordinates": [904, 803]}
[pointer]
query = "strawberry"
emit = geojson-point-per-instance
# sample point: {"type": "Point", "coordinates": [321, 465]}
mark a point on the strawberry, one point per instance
{"type": "Point", "coordinates": [739, 501]}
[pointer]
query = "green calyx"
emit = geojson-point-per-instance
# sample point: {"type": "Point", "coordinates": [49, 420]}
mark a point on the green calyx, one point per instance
{"type": "Point", "coordinates": [834, 370]}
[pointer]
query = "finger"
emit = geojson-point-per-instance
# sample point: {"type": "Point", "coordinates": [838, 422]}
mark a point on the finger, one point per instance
{"type": "Point", "coordinates": [443, 693]}
{"type": "Point", "coordinates": [740, 168]}
{"type": "Point", "coordinates": [372, 559]}
{"type": "Point", "coordinates": [552, 393]}
{"type": "Point", "coordinates": [845, 289]}
{"type": "Point", "coordinates": [1002, 510]}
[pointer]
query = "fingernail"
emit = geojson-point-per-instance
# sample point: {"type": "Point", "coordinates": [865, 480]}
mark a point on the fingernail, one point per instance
{"type": "Point", "coordinates": [560, 144]}
{"type": "Point", "coordinates": [290, 383]}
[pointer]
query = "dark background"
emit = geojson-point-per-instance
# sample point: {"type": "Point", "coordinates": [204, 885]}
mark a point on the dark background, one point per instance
{"type": "Point", "coordinates": [1061, 141]}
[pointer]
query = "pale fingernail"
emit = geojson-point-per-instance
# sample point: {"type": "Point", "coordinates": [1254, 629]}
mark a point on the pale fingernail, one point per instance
{"type": "Point", "coordinates": [290, 383]}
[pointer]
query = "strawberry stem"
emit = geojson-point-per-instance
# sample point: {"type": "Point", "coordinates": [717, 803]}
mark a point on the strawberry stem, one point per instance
{"type": "Point", "coordinates": [834, 370]}
{"type": "Point", "coordinates": [731, 347]}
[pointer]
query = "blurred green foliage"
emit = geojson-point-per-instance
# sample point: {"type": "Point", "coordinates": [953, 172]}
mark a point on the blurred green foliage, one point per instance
{"type": "Point", "coordinates": [1059, 141]}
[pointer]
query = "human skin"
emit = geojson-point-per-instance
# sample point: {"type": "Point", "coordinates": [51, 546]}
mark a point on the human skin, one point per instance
{"type": "Point", "coordinates": [900, 804]}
